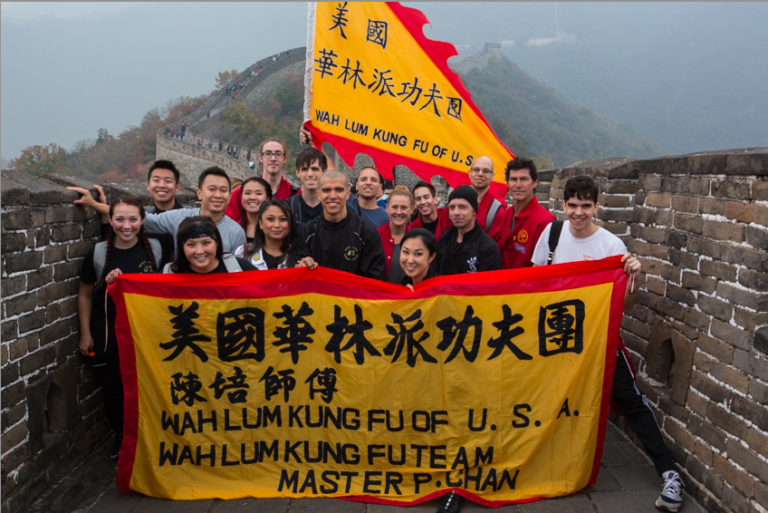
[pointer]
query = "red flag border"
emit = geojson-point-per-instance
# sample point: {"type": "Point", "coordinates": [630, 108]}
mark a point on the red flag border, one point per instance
{"type": "Point", "coordinates": [600, 271]}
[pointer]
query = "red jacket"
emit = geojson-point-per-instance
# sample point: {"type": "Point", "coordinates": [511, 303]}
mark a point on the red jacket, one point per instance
{"type": "Point", "coordinates": [517, 246]}
{"type": "Point", "coordinates": [388, 242]}
{"type": "Point", "coordinates": [443, 222]}
{"type": "Point", "coordinates": [482, 210]}
{"type": "Point", "coordinates": [285, 191]}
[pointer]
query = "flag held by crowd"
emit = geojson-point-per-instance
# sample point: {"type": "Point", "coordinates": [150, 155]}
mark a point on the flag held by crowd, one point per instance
{"type": "Point", "coordinates": [316, 383]}
{"type": "Point", "coordinates": [375, 84]}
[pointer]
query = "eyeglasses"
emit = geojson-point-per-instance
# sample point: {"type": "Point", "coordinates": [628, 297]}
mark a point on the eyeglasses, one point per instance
{"type": "Point", "coordinates": [485, 171]}
{"type": "Point", "coordinates": [270, 154]}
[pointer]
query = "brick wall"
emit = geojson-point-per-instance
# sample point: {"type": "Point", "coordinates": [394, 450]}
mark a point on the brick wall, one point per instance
{"type": "Point", "coordinates": [698, 336]}
{"type": "Point", "coordinates": [52, 411]}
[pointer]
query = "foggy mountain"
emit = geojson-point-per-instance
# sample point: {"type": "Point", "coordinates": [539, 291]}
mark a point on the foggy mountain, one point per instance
{"type": "Point", "coordinates": [689, 76]}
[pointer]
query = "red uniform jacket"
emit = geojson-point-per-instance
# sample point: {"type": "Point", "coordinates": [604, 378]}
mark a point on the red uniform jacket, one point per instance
{"type": "Point", "coordinates": [482, 210]}
{"type": "Point", "coordinates": [285, 191]}
{"type": "Point", "coordinates": [517, 245]}
{"type": "Point", "coordinates": [443, 222]}
{"type": "Point", "coordinates": [388, 242]}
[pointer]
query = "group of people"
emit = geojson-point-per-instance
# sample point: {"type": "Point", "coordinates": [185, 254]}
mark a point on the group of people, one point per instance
{"type": "Point", "coordinates": [267, 223]}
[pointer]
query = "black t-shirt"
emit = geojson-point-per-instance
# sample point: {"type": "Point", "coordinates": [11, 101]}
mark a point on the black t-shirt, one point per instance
{"type": "Point", "coordinates": [131, 260]}
{"type": "Point", "coordinates": [396, 272]}
{"type": "Point", "coordinates": [308, 213]}
{"type": "Point", "coordinates": [432, 227]}
{"type": "Point", "coordinates": [272, 261]}
{"type": "Point", "coordinates": [245, 265]}
{"type": "Point", "coordinates": [452, 258]}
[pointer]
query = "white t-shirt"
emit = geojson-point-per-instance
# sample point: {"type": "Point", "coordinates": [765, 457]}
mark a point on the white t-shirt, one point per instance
{"type": "Point", "coordinates": [599, 245]}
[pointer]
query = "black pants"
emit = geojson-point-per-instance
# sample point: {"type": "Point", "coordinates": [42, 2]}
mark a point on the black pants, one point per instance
{"type": "Point", "coordinates": [108, 373]}
{"type": "Point", "coordinates": [634, 407]}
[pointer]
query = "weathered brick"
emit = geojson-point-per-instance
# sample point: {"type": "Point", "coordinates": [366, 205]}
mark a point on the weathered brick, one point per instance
{"type": "Point", "coordinates": [738, 478]}
{"type": "Point", "coordinates": [59, 214]}
{"type": "Point", "coordinates": [731, 377]}
{"type": "Point", "coordinates": [751, 364]}
{"type": "Point", "coordinates": [37, 360]}
{"type": "Point", "coordinates": [747, 212]}
{"type": "Point", "coordinates": [761, 493]}
{"type": "Point", "coordinates": [68, 307]}
{"type": "Point", "coordinates": [16, 413]}
{"type": "Point", "coordinates": [715, 307]}
{"type": "Point", "coordinates": [55, 332]}
{"type": "Point", "coordinates": [643, 215]}
{"type": "Point", "coordinates": [680, 434]}
{"type": "Point", "coordinates": [640, 248]}
{"type": "Point", "coordinates": [731, 334]}
{"type": "Point", "coordinates": [680, 295]}
{"type": "Point", "coordinates": [759, 392]}
{"type": "Point", "coordinates": [749, 410]}
{"type": "Point", "coordinates": [39, 278]}
{"type": "Point", "coordinates": [613, 201]}
{"type": "Point", "coordinates": [54, 292]}
{"type": "Point", "coordinates": [683, 259]}
{"type": "Point", "coordinates": [707, 432]}
{"type": "Point", "coordinates": [754, 280]}
{"type": "Point", "coordinates": [14, 285]}
{"type": "Point", "coordinates": [676, 239]}
{"type": "Point", "coordinates": [749, 258]}
{"type": "Point", "coordinates": [92, 229]}
{"type": "Point", "coordinates": [671, 273]}
{"type": "Point", "coordinates": [31, 322]}
{"type": "Point", "coordinates": [671, 308]}
{"type": "Point", "coordinates": [20, 262]}
{"type": "Point", "coordinates": [724, 231]}
{"type": "Point", "coordinates": [67, 270]}
{"type": "Point", "coordinates": [685, 203]}
{"type": "Point", "coordinates": [52, 313]}
{"type": "Point", "coordinates": [711, 206]}
{"type": "Point", "coordinates": [748, 319]}
{"type": "Point", "coordinates": [709, 388]}
{"type": "Point", "coordinates": [22, 219]}
{"type": "Point", "coordinates": [697, 403]}
{"type": "Point", "coordinates": [42, 237]}
{"type": "Point", "coordinates": [756, 237]}
{"type": "Point", "coordinates": [13, 243]}
{"type": "Point", "coordinates": [13, 394]}
{"type": "Point", "coordinates": [694, 224]}
{"type": "Point", "coordinates": [9, 330]}
{"type": "Point", "coordinates": [655, 235]}
{"type": "Point", "coordinates": [14, 436]}
{"type": "Point", "coordinates": [719, 270]}
{"type": "Point", "coordinates": [54, 254]}
{"type": "Point", "coordinates": [658, 200]}
{"type": "Point", "coordinates": [17, 348]}
{"type": "Point", "coordinates": [726, 421]}
{"type": "Point", "coordinates": [650, 183]}
{"type": "Point", "coordinates": [656, 285]}
{"type": "Point", "coordinates": [703, 452]}
{"type": "Point", "coordinates": [703, 362]}
{"type": "Point", "coordinates": [757, 441]}
{"type": "Point", "coordinates": [698, 282]}
{"type": "Point", "coordinates": [9, 374]}
{"type": "Point", "coordinates": [21, 304]}
{"type": "Point", "coordinates": [663, 217]}
{"type": "Point", "coordinates": [697, 320]}
{"type": "Point", "coordinates": [66, 232]}
{"type": "Point", "coordinates": [739, 296]}
{"type": "Point", "coordinates": [730, 189]}
{"type": "Point", "coordinates": [78, 249]}
{"type": "Point", "coordinates": [615, 214]}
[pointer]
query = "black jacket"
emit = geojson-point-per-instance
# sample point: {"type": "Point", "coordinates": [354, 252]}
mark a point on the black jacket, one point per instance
{"type": "Point", "coordinates": [477, 252]}
{"type": "Point", "coordinates": [352, 245]}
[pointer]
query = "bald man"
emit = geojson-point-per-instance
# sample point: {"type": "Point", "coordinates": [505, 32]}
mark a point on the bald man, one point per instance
{"type": "Point", "coordinates": [339, 239]}
{"type": "Point", "coordinates": [480, 177]}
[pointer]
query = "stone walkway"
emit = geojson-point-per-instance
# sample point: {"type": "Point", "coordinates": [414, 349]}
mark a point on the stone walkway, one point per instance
{"type": "Point", "coordinates": [627, 483]}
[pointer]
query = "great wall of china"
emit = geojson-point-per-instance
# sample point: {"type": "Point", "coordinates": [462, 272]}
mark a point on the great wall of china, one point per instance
{"type": "Point", "coordinates": [698, 335]}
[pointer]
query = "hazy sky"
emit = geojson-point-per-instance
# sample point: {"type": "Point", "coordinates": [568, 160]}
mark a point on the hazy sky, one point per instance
{"type": "Point", "coordinates": [694, 73]}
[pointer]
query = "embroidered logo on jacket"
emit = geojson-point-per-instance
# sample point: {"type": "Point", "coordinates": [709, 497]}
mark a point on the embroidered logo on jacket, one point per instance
{"type": "Point", "coordinates": [472, 262]}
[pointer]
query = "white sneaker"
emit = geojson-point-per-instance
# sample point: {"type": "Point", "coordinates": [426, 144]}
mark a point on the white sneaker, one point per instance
{"type": "Point", "coordinates": [671, 496]}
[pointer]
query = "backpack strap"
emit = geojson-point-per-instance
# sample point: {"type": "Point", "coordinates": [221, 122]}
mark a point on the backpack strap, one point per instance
{"type": "Point", "coordinates": [167, 268]}
{"type": "Point", "coordinates": [491, 215]}
{"type": "Point", "coordinates": [99, 259]}
{"type": "Point", "coordinates": [554, 238]}
{"type": "Point", "coordinates": [296, 207]}
{"type": "Point", "coordinates": [157, 250]}
{"type": "Point", "coordinates": [231, 263]}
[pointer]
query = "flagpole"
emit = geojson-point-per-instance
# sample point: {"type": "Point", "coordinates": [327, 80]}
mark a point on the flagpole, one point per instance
{"type": "Point", "coordinates": [311, 15]}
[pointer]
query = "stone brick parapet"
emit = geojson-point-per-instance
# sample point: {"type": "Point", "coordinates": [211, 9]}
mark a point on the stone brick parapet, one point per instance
{"type": "Point", "coordinates": [52, 412]}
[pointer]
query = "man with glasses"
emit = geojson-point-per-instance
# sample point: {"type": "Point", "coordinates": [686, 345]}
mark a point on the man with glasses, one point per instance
{"type": "Point", "coordinates": [480, 178]}
{"type": "Point", "coordinates": [273, 157]}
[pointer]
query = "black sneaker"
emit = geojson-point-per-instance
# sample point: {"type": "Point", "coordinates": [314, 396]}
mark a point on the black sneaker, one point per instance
{"type": "Point", "coordinates": [114, 452]}
{"type": "Point", "coordinates": [452, 503]}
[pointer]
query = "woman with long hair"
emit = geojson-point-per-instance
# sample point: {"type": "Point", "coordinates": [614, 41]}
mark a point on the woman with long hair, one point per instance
{"type": "Point", "coordinates": [126, 250]}
{"type": "Point", "coordinates": [399, 209]}
{"type": "Point", "coordinates": [417, 252]}
{"type": "Point", "coordinates": [199, 250]}
{"type": "Point", "coordinates": [274, 238]}
{"type": "Point", "coordinates": [253, 193]}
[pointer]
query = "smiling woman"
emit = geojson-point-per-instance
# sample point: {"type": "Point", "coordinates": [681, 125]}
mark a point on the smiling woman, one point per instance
{"type": "Point", "coordinates": [200, 250]}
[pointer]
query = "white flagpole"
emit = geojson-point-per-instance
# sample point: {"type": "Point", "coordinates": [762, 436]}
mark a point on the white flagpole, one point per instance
{"type": "Point", "coordinates": [308, 71]}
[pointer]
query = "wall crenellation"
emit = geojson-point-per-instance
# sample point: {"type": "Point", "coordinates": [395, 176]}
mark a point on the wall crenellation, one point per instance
{"type": "Point", "coordinates": [698, 335]}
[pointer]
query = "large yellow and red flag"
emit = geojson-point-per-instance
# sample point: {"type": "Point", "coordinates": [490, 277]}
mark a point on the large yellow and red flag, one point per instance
{"type": "Point", "coordinates": [375, 84]}
{"type": "Point", "coordinates": [317, 383]}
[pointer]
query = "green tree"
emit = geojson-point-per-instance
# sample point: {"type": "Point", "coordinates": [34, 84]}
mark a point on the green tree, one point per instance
{"type": "Point", "coordinates": [103, 136]}
{"type": "Point", "coordinates": [40, 160]}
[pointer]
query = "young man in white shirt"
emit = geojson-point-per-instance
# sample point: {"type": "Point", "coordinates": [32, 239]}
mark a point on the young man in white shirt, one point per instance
{"type": "Point", "coordinates": [581, 239]}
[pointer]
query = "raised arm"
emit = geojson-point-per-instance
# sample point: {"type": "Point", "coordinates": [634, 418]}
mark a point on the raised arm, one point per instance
{"type": "Point", "coordinates": [633, 268]}
{"type": "Point", "coordinates": [306, 138]}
